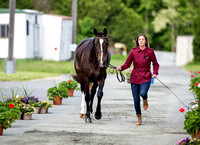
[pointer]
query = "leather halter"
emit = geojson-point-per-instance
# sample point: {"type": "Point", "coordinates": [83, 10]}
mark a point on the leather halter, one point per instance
{"type": "Point", "coordinates": [97, 52]}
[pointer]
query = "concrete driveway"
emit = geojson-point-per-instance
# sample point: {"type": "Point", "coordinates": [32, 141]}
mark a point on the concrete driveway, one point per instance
{"type": "Point", "coordinates": [162, 122]}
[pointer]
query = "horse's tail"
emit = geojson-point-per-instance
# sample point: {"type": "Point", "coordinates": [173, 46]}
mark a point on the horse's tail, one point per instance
{"type": "Point", "coordinates": [75, 77]}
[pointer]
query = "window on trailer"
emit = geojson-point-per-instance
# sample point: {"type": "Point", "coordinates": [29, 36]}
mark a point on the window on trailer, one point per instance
{"type": "Point", "coordinates": [4, 31]}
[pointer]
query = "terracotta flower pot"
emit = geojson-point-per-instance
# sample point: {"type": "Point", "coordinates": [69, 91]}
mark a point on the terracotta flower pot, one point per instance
{"type": "Point", "coordinates": [43, 110]}
{"type": "Point", "coordinates": [27, 116]}
{"type": "Point", "coordinates": [197, 135]}
{"type": "Point", "coordinates": [37, 110]}
{"type": "Point", "coordinates": [58, 101]}
{"type": "Point", "coordinates": [71, 92]}
{"type": "Point", "coordinates": [1, 129]}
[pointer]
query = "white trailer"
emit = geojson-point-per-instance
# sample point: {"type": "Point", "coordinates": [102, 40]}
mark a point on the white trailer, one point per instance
{"type": "Point", "coordinates": [27, 34]}
{"type": "Point", "coordinates": [57, 37]}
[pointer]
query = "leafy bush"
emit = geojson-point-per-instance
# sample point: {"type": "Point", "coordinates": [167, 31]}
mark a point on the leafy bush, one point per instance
{"type": "Point", "coordinates": [8, 114]}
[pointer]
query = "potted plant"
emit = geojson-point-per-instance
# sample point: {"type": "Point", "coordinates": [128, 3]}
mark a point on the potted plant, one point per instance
{"type": "Point", "coordinates": [27, 111]}
{"type": "Point", "coordinates": [33, 101]}
{"type": "Point", "coordinates": [188, 141]}
{"type": "Point", "coordinates": [8, 114]}
{"type": "Point", "coordinates": [192, 117]}
{"type": "Point", "coordinates": [71, 85]}
{"type": "Point", "coordinates": [44, 106]}
{"type": "Point", "coordinates": [57, 94]}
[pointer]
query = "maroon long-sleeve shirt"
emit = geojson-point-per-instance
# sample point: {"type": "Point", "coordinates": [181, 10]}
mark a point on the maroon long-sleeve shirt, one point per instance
{"type": "Point", "coordinates": [141, 61]}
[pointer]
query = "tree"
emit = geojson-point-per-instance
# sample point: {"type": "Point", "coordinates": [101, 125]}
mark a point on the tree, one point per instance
{"type": "Point", "coordinates": [166, 17]}
{"type": "Point", "coordinates": [126, 25]}
{"type": "Point", "coordinates": [194, 9]}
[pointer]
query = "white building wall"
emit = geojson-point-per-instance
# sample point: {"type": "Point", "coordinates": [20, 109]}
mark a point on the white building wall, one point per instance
{"type": "Point", "coordinates": [34, 37]}
{"type": "Point", "coordinates": [19, 37]}
{"type": "Point", "coordinates": [51, 37]}
{"type": "Point", "coordinates": [184, 50]}
{"type": "Point", "coordinates": [4, 41]}
{"type": "Point", "coordinates": [66, 40]}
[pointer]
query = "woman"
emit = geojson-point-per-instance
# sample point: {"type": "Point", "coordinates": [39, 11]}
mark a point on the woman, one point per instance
{"type": "Point", "coordinates": [140, 79]}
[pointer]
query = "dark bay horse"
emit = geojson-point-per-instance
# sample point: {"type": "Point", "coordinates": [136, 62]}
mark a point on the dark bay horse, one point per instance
{"type": "Point", "coordinates": [91, 61]}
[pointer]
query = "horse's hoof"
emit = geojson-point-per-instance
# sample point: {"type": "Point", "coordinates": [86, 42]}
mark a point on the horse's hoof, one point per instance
{"type": "Point", "coordinates": [82, 116]}
{"type": "Point", "coordinates": [88, 120]}
{"type": "Point", "coordinates": [98, 115]}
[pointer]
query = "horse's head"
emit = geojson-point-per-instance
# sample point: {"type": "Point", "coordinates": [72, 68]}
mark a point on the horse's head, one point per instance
{"type": "Point", "coordinates": [101, 46]}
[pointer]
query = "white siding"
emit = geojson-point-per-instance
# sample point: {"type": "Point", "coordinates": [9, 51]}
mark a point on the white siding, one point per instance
{"type": "Point", "coordinates": [66, 40]}
{"type": "Point", "coordinates": [19, 36]}
{"type": "Point", "coordinates": [52, 37]}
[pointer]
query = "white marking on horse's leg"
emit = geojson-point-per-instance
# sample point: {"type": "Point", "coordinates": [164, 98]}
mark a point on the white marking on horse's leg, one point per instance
{"type": "Point", "coordinates": [83, 104]}
{"type": "Point", "coordinates": [101, 47]}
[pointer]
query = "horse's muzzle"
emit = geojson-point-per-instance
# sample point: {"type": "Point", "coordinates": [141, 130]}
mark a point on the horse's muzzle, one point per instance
{"type": "Point", "coordinates": [102, 64]}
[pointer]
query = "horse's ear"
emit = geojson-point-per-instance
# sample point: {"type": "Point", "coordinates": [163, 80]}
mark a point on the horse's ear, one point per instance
{"type": "Point", "coordinates": [95, 31]}
{"type": "Point", "coordinates": [105, 31]}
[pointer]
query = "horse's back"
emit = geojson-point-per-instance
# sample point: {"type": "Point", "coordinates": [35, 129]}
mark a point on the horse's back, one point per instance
{"type": "Point", "coordinates": [84, 43]}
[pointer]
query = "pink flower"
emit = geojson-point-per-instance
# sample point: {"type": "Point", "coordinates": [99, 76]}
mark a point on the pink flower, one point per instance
{"type": "Point", "coordinates": [69, 81]}
{"type": "Point", "coordinates": [192, 76]}
{"type": "Point", "coordinates": [197, 84]}
{"type": "Point", "coordinates": [178, 142]}
{"type": "Point", "coordinates": [198, 72]}
{"type": "Point", "coordinates": [182, 110]}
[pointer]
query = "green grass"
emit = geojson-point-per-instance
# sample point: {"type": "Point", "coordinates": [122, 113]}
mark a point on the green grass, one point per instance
{"type": "Point", "coordinates": [28, 69]}
{"type": "Point", "coordinates": [195, 67]}
{"type": "Point", "coordinates": [118, 60]}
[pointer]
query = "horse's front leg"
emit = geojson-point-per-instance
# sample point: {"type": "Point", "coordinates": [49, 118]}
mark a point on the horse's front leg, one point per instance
{"type": "Point", "coordinates": [98, 113]}
{"type": "Point", "coordinates": [87, 100]}
{"type": "Point", "coordinates": [93, 92]}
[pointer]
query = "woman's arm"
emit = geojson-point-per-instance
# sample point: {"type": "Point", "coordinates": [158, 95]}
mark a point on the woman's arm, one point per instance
{"type": "Point", "coordinates": [128, 62]}
{"type": "Point", "coordinates": [155, 65]}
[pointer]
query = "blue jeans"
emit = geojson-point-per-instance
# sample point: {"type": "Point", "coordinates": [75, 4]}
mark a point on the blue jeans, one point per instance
{"type": "Point", "coordinates": [137, 91]}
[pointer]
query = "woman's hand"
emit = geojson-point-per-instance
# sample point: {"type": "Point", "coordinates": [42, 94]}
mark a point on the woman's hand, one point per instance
{"type": "Point", "coordinates": [118, 68]}
{"type": "Point", "coordinates": [154, 76]}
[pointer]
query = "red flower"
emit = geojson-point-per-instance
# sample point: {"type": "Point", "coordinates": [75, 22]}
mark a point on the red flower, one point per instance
{"type": "Point", "coordinates": [9, 99]}
{"type": "Point", "coordinates": [181, 110]}
{"type": "Point", "coordinates": [69, 81]}
{"type": "Point", "coordinates": [197, 84]}
{"type": "Point", "coordinates": [198, 72]}
{"type": "Point", "coordinates": [192, 76]}
{"type": "Point", "coordinates": [191, 71]}
{"type": "Point", "coordinates": [11, 106]}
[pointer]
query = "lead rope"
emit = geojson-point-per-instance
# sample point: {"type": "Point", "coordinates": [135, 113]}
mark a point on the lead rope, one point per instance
{"type": "Point", "coordinates": [172, 92]}
{"type": "Point", "coordinates": [112, 67]}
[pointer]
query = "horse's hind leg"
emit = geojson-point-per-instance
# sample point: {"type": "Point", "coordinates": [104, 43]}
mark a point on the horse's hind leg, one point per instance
{"type": "Point", "coordinates": [87, 100]}
{"type": "Point", "coordinates": [98, 113]}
